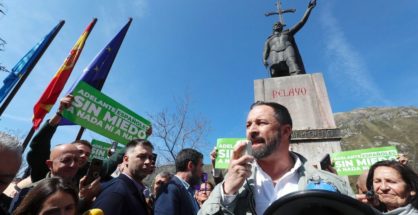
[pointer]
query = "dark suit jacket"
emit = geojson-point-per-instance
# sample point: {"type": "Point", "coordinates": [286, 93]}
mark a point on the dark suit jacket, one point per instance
{"type": "Point", "coordinates": [174, 199]}
{"type": "Point", "coordinates": [121, 196]}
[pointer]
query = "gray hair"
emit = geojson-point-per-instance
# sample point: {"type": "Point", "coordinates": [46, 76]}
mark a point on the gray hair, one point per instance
{"type": "Point", "coordinates": [164, 174]}
{"type": "Point", "coordinates": [10, 144]}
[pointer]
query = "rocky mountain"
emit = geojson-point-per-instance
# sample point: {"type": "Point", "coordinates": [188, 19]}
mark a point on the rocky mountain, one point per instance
{"type": "Point", "coordinates": [377, 127]}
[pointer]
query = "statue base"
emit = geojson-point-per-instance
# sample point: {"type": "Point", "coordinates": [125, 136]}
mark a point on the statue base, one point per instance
{"type": "Point", "coordinates": [305, 96]}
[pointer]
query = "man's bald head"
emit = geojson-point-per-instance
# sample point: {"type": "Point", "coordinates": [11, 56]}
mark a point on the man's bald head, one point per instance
{"type": "Point", "coordinates": [63, 161]}
{"type": "Point", "coordinates": [62, 149]}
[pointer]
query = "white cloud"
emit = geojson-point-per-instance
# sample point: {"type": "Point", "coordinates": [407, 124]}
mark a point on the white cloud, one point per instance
{"type": "Point", "coordinates": [347, 67]}
{"type": "Point", "coordinates": [138, 8]}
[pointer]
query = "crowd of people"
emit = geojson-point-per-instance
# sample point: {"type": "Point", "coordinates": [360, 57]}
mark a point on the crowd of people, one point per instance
{"type": "Point", "coordinates": [56, 182]}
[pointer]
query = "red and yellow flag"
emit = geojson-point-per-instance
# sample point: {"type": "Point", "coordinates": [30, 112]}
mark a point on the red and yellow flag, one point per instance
{"type": "Point", "coordinates": [53, 90]}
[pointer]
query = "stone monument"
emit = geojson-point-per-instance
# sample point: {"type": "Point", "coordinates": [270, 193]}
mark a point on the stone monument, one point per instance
{"type": "Point", "coordinates": [314, 130]}
{"type": "Point", "coordinates": [281, 55]}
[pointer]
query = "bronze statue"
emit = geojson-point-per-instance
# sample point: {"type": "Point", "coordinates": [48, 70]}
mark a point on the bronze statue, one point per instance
{"type": "Point", "coordinates": [281, 55]}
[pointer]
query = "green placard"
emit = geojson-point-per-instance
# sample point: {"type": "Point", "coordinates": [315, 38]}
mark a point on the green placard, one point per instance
{"type": "Point", "coordinates": [99, 149]}
{"type": "Point", "coordinates": [225, 146]}
{"type": "Point", "coordinates": [100, 113]}
{"type": "Point", "coordinates": [357, 161]}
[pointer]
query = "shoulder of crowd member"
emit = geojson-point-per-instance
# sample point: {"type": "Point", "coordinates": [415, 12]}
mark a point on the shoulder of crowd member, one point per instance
{"type": "Point", "coordinates": [213, 205]}
{"type": "Point", "coordinates": [109, 165]}
{"type": "Point", "coordinates": [109, 200]}
{"type": "Point", "coordinates": [20, 196]}
{"type": "Point", "coordinates": [168, 200]}
{"type": "Point", "coordinates": [109, 188]}
{"type": "Point", "coordinates": [308, 172]}
{"type": "Point", "coordinates": [170, 188]}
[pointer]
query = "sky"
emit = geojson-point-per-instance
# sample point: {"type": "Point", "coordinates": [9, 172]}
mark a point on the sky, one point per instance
{"type": "Point", "coordinates": [211, 50]}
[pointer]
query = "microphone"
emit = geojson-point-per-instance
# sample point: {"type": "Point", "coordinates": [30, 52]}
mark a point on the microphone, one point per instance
{"type": "Point", "coordinates": [94, 211]}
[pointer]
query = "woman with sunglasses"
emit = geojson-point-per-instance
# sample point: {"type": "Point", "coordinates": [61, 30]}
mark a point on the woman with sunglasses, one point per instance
{"type": "Point", "coordinates": [202, 194]}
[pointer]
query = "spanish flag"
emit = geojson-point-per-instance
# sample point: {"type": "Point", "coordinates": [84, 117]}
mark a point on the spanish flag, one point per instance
{"type": "Point", "coordinates": [53, 90]}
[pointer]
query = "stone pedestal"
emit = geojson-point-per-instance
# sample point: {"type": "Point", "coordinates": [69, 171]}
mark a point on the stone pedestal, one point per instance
{"type": "Point", "coordinates": [305, 96]}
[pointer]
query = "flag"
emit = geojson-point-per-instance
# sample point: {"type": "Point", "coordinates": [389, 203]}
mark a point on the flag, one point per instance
{"type": "Point", "coordinates": [26, 64]}
{"type": "Point", "coordinates": [53, 90]}
{"type": "Point", "coordinates": [96, 72]}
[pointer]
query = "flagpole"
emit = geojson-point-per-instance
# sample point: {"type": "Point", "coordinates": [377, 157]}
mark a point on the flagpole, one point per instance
{"type": "Point", "coordinates": [28, 138]}
{"type": "Point", "coordinates": [80, 133]}
{"type": "Point", "coordinates": [26, 74]}
{"type": "Point", "coordinates": [100, 85]}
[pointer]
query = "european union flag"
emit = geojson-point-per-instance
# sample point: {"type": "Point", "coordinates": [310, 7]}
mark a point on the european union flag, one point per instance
{"type": "Point", "coordinates": [96, 73]}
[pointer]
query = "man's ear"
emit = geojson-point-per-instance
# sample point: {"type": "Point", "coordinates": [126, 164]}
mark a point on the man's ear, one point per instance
{"type": "Point", "coordinates": [190, 165]}
{"type": "Point", "coordinates": [125, 160]}
{"type": "Point", "coordinates": [286, 131]}
{"type": "Point", "coordinates": [49, 164]}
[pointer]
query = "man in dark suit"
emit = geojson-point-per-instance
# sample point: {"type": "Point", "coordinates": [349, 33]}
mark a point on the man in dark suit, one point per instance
{"type": "Point", "coordinates": [124, 194]}
{"type": "Point", "coordinates": [177, 197]}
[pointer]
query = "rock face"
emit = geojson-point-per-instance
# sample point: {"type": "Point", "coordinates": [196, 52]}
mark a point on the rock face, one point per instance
{"type": "Point", "coordinates": [377, 127]}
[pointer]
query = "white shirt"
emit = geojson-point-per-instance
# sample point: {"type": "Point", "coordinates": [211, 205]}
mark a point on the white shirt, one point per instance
{"type": "Point", "coordinates": [265, 192]}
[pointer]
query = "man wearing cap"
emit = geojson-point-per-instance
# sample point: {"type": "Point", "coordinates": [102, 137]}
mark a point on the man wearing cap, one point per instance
{"type": "Point", "coordinates": [250, 187]}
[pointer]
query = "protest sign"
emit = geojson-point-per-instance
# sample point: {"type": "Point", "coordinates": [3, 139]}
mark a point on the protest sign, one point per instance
{"type": "Point", "coordinates": [225, 146]}
{"type": "Point", "coordinates": [99, 113]}
{"type": "Point", "coordinates": [357, 161]}
{"type": "Point", "coordinates": [99, 149]}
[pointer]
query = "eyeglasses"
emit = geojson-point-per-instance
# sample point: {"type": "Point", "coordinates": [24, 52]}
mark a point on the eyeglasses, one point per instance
{"type": "Point", "coordinates": [205, 190]}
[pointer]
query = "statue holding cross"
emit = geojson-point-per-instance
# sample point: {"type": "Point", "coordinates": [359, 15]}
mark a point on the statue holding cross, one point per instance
{"type": "Point", "coordinates": [281, 55]}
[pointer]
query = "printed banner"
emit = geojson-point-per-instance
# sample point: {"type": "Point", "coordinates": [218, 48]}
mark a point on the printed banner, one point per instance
{"type": "Point", "coordinates": [99, 113]}
{"type": "Point", "coordinates": [225, 146]}
{"type": "Point", "coordinates": [100, 149]}
{"type": "Point", "coordinates": [357, 161]}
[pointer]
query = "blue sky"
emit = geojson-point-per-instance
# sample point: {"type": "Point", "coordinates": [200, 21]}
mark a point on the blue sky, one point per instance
{"type": "Point", "coordinates": [212, 50]}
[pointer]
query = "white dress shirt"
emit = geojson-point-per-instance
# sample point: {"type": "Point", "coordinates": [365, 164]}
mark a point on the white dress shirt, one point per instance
{"type": "Point", "coordinates": [265, 192]}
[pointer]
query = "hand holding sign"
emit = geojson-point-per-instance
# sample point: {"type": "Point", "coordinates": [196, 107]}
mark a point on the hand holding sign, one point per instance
{"type": "Point", "coordinates": [65, 102]}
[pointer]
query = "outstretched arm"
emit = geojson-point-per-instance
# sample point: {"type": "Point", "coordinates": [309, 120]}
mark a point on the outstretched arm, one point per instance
{"type": "Point", "coordinates": [305, 17]}
{"type": "Point", "coordinates": [41, 143]}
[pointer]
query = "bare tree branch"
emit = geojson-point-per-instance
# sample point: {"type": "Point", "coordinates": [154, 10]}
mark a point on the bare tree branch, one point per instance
{"type": "Point", "coordinates": [2, 42]}
{"type": "Point", "coordinates": [176, 130]}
